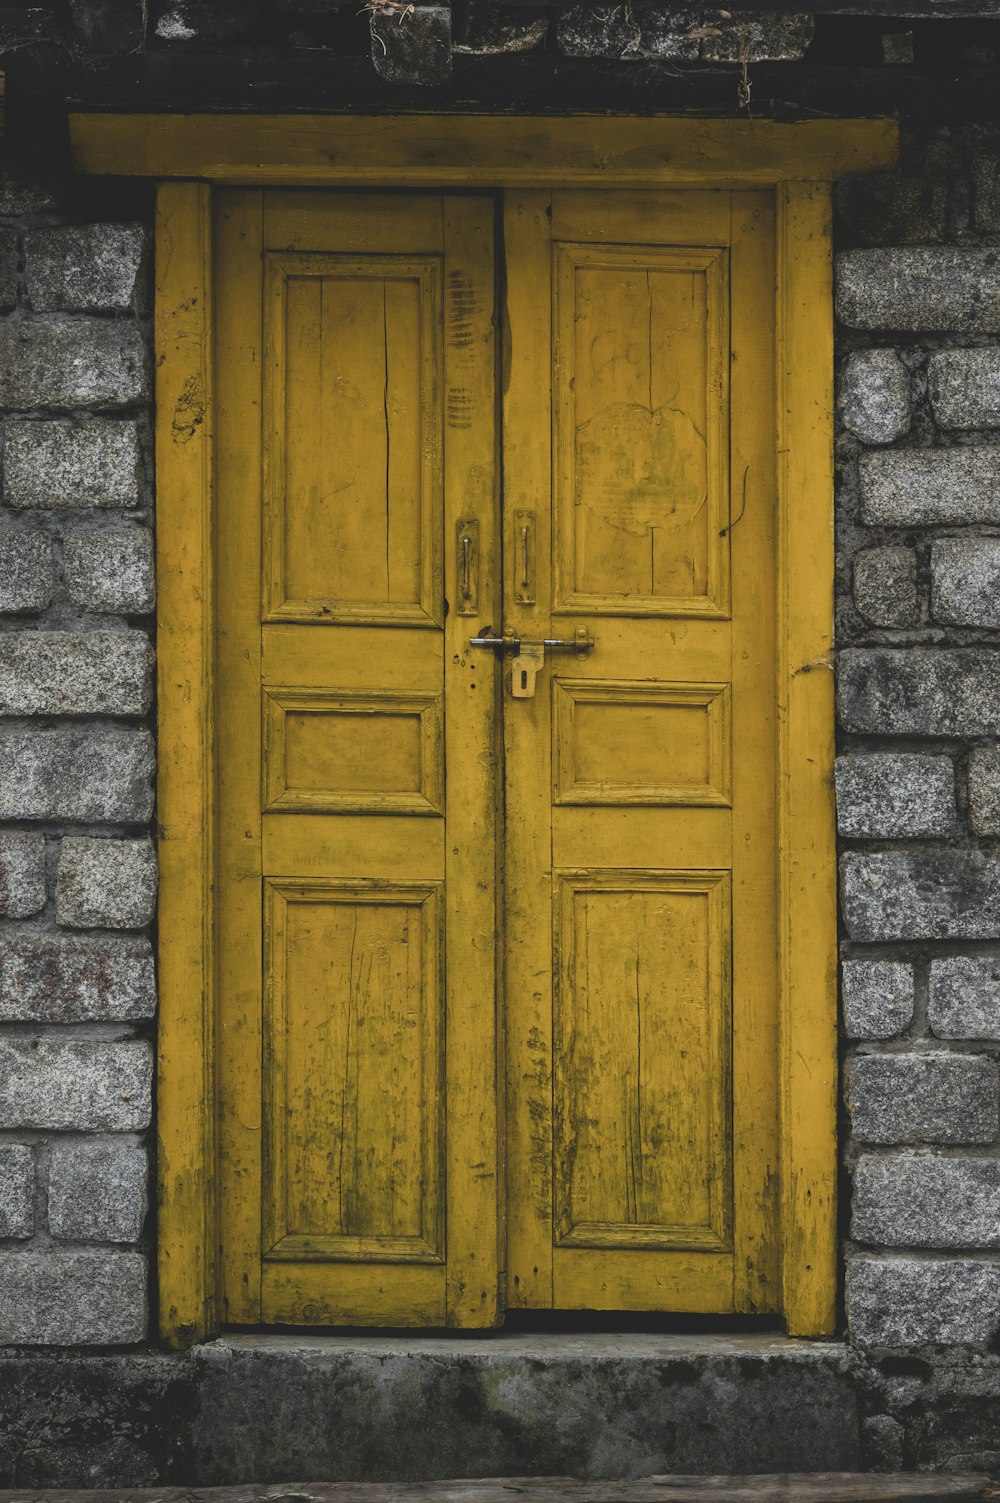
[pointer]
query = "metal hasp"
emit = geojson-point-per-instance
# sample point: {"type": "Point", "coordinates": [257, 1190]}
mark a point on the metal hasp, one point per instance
{"type": "Point", "coordinates": [528, 657]}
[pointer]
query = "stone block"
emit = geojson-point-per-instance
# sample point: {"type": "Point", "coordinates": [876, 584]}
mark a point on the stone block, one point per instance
{"type": "Point", "coordinates": [927, 487]}
{"type": "Point", "coordinates": [885, 586]}
{"type": "Point", "coordinates": [890, 209]}
{"type": "Point", "coordinates": [903, 1302]}
{"type": "Point", "coordinates": [933, 691]}
{"type": "Point", "coordinates": [952, 289]}
{"type": "Point", "coordinates": [81, 362]}
{"type": "Point", "coordinates": [488, 31]}
{"type": "Point", "coordinates": [964, 387]}
{"type": "Point", "coordinates": [69, 463]}
{"type": "Point", "coordinates": [984, 790]}
{"type": "Point", "coordinates": [110, 570]}
{"type": "Point", "coordinates": [947, 894]}
{"type": "Point", "coordinates": [83, 774]}
{"type": "Point", "coordinates": [88, 268]}
{"type": "Point", "coordinates": [624, 32]}
{"type": "Point", "coordinates": [665, 32]}
{"type": "Point", "coordinates": [878, 998]}
{"type": "Point", "coordinates": [895, 795]}
{"type": "Point", "coordinates": [965, 580]}
{"type": "Point", "coordinates": [411, 45]}
{"type": "Point", "coordinates": [22, 874]}
{"type": "Point", "coordinates": [75, 1085]}
{"type": "Point", "coordinates": [63, 1298]}
{"type": "Point", "coordinates": [8, 270]}
{"type": "Point", "coordinates": [964, 998]}
{"type": "Point", "coordinates": [97, 1191]}
{"type": "Point", "coordinates": [986, 188]}
{"type": "Point", "coordinates": [75, 673]}
{"type": "Point", "coordinates": [759, 37]}
{"type": "Point", "coordinates": [17, 1190]}
{"type": "Point", "coordinates": [924, 1200]}
{"type": "Point", "coordinates": [49, 978]}
{"type": "Point", "coordinates": [26, 573]}
{"type": "Point", "coordinates": [930, 1097]}
{"type": "Point", "coordinates": [875, 396]}
{"type": "Point", "coordinates": [105, 884]}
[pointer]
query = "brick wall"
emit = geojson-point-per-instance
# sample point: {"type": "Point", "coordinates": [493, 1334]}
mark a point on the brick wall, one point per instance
{"type": "Point", "coordinates": [918, 776]}
{"type": "Point", "coordinates": [77, 864]}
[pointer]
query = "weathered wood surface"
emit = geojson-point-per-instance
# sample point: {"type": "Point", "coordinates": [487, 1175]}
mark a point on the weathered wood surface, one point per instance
{"type": "Point", "coordinates": [811, 1487]}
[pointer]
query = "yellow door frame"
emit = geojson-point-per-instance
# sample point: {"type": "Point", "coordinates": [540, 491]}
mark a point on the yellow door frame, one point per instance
{"type": "Point", "coordinates": [798, 162]}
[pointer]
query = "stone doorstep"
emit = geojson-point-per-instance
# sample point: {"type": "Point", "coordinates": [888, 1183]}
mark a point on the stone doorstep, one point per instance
{"type": "Point", "coordinates": [781, 1487]}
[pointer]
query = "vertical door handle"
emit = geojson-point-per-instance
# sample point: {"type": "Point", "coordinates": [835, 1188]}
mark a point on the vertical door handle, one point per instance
{"type": "Point", "coordinates": [467, 559]}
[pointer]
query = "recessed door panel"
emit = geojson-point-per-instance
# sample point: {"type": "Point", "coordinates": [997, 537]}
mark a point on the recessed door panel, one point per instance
{"type": "Point", "coordinates": [641, 1041]}
{"type": "Point", "coordinates": [639, 406]}
{"type": "Point", "coordinates": [353, 1045]}
{"type": "Point", "coordinates": [352, 351]}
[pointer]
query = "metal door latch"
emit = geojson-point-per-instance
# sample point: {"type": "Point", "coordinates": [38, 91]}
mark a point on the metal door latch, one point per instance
{"type": "Point", "coordinates": [528, 657]}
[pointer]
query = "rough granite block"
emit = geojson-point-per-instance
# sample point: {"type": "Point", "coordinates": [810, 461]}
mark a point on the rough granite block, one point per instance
{"type": "Point", "coordinates": [87, 267]}
{"type": "Point", "coordinates": [75, 673]}
{"type": "Point", "coordinates": [902, 894]}
{"type": "Point", "coordinates": [964, 387]}
{"type": "Point", "coordinates": [965, 581]}
{"type": "Point", "coordinates": [955, 289]}
{"type": "Point", "coordinates": [17, 1190]}
{"type": "Point", "coordinates": [875, 396]}
{"type": "Point", "coordinates": [47, 978]}
{"type": "Point", "coordinates": [878, 998]}
{"type": "Point", "coordinates": [110, 570]}
{"type": "Point", "coordinates": [927, 487]}
{"type": "Point", "coordinates": [964, 998]}
{"type": "Point", "coordinates": [759, 37]}
{"type": "Point", "coordinates": [901, 1302]}
{"type": "Point", "coordinates": [412, 46]}
{"type": "Point", "coordinates": [81, 362]}
{"type": "Point", "coordinates": [56, 1298]}
{"type": "Point", "coordinates": [885, 586]}
{"type": "Point", "coordinates": [22, 874]}
{"type": "Point", "coordinates": [984, 790]}
{"type": "Point", "coordinates": [888, 691]}
{"type": "Point", "coordinates": [68, 463]}
{"type": "Point", "coordinates": [895, 795]}
{"type": "Point", "coordinates": [77, 773]}
{"type": "Point", "coordinates": [97, 1191]}
{"type": "Point", "coordinates": [105, 884]}
{"type": "Point", "coordinates": [75, 1085]}
{"type": "Point", "coordinates": [8, 269]}
{"type": "Point", "coordinates": [26, 573]}
{"type": "Point", "coordinates": [924, 1200]}
{"type": "Point", "coordinates": [931, 1097]}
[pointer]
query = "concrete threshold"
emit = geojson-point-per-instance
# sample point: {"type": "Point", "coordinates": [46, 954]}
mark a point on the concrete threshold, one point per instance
{"type": "Point", "coordinates": [415, 1408]}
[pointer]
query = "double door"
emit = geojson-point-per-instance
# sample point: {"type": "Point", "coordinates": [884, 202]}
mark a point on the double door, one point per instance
{"type": "Point", "coordinates": [496, 666]}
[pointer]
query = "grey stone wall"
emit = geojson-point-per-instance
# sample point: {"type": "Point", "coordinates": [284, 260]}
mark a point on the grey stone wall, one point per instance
{"type": "Point", "coordinates": [77, 862]}
{"type": "Point", "coordinates": [918, 772]}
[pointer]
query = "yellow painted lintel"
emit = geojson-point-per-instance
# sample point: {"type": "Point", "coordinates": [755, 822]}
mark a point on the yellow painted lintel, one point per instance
{"type": "Point", "coordinates": [447, 151]}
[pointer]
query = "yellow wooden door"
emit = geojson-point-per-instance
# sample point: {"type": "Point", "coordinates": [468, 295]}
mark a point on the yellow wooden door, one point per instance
{"type": "Point", "coordinates": [355, 376]}
{"type": "Point", "coordinates": [375, 875]}
{"type": "Point", "coordinates": [640, 982]}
